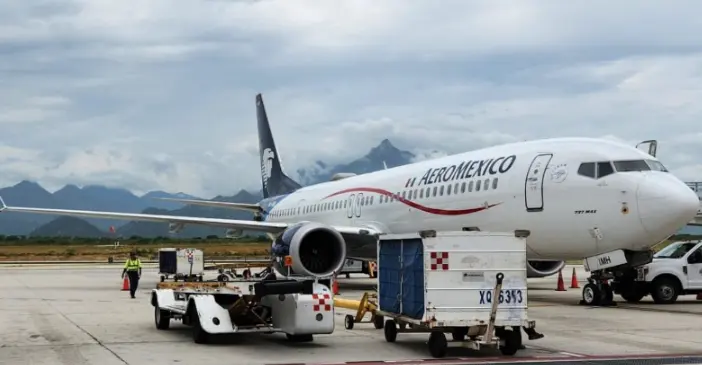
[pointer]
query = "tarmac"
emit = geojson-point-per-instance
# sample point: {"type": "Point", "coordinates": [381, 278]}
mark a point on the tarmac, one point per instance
{"type": "Point", "coordinates": [77, 314]}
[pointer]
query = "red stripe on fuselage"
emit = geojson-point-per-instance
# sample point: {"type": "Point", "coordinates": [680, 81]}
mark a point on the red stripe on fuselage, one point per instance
{"type": "Point", "coordinates": [413, 204]}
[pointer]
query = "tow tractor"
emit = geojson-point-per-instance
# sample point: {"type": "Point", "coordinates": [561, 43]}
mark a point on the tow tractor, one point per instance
{"type": "Point", "coordinates": [612, 273]}
{"type": "Point", "coordinates": [293, 298]}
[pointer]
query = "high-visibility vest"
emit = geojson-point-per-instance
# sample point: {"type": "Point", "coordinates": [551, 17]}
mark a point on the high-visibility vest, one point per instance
{"type": "Point", "coordinates": [132, 265]}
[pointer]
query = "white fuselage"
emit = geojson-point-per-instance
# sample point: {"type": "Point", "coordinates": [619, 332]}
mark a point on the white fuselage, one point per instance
{"type": "Point", "coordinates": [539, 186]}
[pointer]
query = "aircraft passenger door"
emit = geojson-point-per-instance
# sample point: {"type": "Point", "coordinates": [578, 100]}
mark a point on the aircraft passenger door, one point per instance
{"type": "Point", "coordinates": [534, 184]}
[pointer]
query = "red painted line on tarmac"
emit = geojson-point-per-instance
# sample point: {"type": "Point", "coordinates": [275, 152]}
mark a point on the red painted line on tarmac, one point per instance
{"type": "Point", "coordinates": [572, 357]}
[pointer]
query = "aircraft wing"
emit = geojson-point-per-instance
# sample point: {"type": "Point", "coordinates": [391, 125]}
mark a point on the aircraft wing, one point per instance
{"type": "Point", "coordinates": [217, 204]}
{"type": "Point", "coordinates": [267, 227]}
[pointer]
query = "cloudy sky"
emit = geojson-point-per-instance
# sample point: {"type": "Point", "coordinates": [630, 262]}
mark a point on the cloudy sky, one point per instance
{"type": "Point", "coordinates": [159, 94]}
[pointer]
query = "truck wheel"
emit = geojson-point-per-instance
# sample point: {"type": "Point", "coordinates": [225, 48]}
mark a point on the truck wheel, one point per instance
{"type": "Point", "coordinates": [664, 291]}
{"type": "Point", "coordinates": [378, 322]}
{"type": "Point", "coordinates": [591, 294]}
{"type": "Point", "coordinates": [513, 341]}
{"type": "Point", "coordinates": [348, 322]}
{"type": "Point", "coordinates": [390, 331]}
{"type": "Point", "coordinates": [437, 344]}
{"type": "Point", "coordinates": [299, 338]}
{"type": "Point", "coordinates": [162, 318]}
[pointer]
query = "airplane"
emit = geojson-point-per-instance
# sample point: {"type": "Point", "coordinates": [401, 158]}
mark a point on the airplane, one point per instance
{"type": "Point", "coordinates": [580, 198]}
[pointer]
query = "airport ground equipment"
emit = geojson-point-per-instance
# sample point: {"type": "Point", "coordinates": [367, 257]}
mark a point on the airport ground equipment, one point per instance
{"type": "Point", "coordinates": [186, 264]}
{"type": "Point", "coordinates": [471, 284]}
{"type": "Point", "coordinates": [675, 270]}
{"type": "Point", "coordinates": [355, 266]}
{"type": "Point", "coordinates": [367, 305]}
{"type": "Point", "coordinates": [297, 306]}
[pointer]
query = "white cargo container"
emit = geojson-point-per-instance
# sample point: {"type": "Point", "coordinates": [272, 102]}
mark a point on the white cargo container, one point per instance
{"type": "Point", "coordinates": [466, 283]}
{"type": "Point", "coordinates": [189, 264]}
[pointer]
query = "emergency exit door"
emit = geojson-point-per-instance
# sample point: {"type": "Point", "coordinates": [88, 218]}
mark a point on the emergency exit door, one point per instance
{"type": "Point", "coordinates": [534, 184]}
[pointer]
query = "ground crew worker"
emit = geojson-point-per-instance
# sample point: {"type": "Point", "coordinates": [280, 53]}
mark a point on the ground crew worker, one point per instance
{"type": "Point", "coordinates": [132, 267]}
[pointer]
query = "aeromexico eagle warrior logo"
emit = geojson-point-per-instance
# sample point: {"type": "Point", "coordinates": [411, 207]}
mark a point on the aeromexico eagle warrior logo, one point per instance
{"type": "Point", "coordinates": [267, 165]}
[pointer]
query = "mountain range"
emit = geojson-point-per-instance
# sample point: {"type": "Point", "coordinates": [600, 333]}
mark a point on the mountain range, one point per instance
{"type": "Point", "coordinates": [95, 197]}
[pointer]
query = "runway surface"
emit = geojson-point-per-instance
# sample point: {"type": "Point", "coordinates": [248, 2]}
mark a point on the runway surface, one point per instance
{"type": "Point", "coordinates": [78, 315]}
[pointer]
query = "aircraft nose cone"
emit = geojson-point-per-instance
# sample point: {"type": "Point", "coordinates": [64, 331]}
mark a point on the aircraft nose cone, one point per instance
{"type": "Point", "coordinates": [665, 205]}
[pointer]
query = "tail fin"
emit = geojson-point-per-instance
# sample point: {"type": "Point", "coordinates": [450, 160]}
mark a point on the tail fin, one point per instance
{"type": "Point", "coordinates": [274, 180]}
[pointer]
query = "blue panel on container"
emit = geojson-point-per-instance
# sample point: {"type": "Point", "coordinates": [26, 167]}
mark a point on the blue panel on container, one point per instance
{"type": "Point", "coordinates": [389, 269]}
{"type": "Point", "coordinates": [413, 278]}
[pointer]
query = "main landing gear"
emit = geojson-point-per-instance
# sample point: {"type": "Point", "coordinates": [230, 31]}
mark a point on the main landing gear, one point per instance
{"type": "Point", "coordinates": [598, 291]}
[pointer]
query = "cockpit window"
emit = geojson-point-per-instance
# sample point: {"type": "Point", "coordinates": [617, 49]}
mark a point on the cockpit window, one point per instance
{"type": "Point", "coordinates": [631, 165]}
{"type": "Point", "coordinates": [587, 169]}
{"type": "Point", "coordinates": [656, 165]}
{"type": "Point", "coordinates": [595, 170]}
{"type": "Point", "coordinates": [675, 250]}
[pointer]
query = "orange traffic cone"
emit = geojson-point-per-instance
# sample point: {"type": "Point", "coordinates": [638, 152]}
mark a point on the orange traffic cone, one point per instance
{"type": "Point", "coordinates": [125, 283]}
{"type": "Point", "coordinates": [561, 284]}
{"type": "Point", "coordinates": [574, 281]}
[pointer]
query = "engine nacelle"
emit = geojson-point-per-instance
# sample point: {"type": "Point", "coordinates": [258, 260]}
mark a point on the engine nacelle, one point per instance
{"type": "Point", "coordinates": [540, 269]}
{"type": "Point", "coordinates": [174, 228]}
{"type": "Point", "coordinates": [316, 250]}
{"type": "Point", "coordinates": [234, 233]}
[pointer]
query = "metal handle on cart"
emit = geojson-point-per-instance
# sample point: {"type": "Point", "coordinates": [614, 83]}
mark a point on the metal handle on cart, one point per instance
{"type": "Point", "coordinates": [493, 311]}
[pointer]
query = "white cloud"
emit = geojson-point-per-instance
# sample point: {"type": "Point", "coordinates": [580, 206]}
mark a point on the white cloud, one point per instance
{"type": "Point", "coordinates": [150, 95]}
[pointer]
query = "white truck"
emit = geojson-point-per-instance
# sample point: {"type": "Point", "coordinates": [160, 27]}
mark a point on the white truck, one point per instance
{"type": "Point", "coordinates": [355, 266]}
{"type": "Point", "coordinates": [675, 270]}
{"type": "Point", "coordinates": [467, 283]}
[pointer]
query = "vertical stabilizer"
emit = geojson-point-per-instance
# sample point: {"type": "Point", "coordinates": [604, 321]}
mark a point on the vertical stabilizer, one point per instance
{"type": "Point", "coordinates": [274, 180]}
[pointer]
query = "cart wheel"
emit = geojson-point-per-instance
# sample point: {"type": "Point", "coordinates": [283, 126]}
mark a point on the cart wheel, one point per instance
{"type": "Point", "coordinates": [513, 341]}
{"type": "Point", "coordinates": [390, 331]}
{"type": "Point", "coordinates": [459, 334]}
{"type": "Point", "coordinates": [348, 322]}
{"type": "Point", "coordinates": [162, 318]}
{"type": "Point", "coordinates": [199, 334]}
{"type": "Point", "coordinates": [175, 278]}
{"type": "Point", "coordinates": [299, 338]}
{"type": "Point", "coordinates": [378, 322]}
{"type": "Point", "coordinates": [163, 278]}
{"type": "Point", "coordinates": [437, 344]}
{"type": "Point", "coordinates": [199, 278]}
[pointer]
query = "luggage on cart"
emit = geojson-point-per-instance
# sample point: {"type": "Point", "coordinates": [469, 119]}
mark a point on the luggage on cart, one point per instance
{"type": "Point", "coordinates": [182, 263]}
{"type": "Point", "coordinates": [167, 262]}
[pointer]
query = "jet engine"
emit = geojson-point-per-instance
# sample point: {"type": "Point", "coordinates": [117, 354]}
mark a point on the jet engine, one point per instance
{"type": "Point", "coordinates": [315, 249]}
{"type": "Point", "coordinates": [234, 233]}
{"type": "Point", "coordinates": [540, 269]}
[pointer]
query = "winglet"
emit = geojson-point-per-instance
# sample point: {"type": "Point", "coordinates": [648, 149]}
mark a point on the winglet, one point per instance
{"type": "Point", "coordinates": [2, 205]}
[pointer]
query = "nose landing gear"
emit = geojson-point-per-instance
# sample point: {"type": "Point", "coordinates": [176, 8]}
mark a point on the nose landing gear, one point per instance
{"type": "Point", "coordinates": [598, 291]}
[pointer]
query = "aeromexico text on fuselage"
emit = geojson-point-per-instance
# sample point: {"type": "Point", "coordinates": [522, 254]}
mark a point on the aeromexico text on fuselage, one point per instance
{"type": "Point", "coordinates": [464, 170]}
